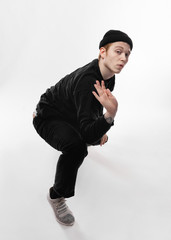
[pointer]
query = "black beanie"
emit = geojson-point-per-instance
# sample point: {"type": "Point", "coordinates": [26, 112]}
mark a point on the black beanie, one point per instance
{"type": "Point", "coordinates": [115, 36]}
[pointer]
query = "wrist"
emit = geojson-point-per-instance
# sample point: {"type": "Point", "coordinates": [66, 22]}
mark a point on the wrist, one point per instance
{"type": "Point", "coordinates": [109, 117]}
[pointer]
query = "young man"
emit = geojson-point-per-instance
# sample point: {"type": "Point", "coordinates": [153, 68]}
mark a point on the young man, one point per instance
{"type": "Point", "coordinates": [69, 115]}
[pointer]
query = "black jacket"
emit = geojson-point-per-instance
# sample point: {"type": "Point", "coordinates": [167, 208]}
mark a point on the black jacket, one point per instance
{"type": "Point", "coordinates": [71, 100]}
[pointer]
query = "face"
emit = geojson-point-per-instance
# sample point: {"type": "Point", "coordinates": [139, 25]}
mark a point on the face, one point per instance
{"type": "Point", "coordinates": [116, 57]}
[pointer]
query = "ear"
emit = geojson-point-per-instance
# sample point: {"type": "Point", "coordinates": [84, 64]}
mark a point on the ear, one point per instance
{"type": "Point", "coordinates": [102, 52]}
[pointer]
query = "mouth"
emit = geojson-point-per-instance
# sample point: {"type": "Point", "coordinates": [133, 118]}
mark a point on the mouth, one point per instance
{"type": "Point", "coordinates": [120, 66]}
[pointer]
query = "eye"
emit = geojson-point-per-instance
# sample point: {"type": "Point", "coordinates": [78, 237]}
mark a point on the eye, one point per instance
{"type": "Point", "coordinates": [118, 52]}
{"type": "Point", "coordinates": [127, 54]}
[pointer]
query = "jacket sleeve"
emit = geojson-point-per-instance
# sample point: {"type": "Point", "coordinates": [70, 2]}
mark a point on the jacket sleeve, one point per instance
{"type": "Point", "coordinates": [90, 117]}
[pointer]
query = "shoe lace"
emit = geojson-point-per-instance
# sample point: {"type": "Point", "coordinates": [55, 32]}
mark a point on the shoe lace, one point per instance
{"type": "Point", "coordinates": [61, 206]}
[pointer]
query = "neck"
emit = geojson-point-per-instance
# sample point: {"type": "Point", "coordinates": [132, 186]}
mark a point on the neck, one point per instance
{"type": "Point", "coordinates": [105, 72]}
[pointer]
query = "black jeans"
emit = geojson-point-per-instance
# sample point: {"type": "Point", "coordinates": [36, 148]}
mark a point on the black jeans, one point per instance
{"type": "Point", "coordinates": [65, 138]}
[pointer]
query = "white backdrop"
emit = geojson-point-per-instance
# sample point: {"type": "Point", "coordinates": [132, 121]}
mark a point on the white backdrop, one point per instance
{"type": "Point", "coordinates": [123, 188]}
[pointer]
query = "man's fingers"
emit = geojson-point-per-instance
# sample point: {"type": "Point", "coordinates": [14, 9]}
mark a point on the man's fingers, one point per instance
{"type": "Point", "coordinates": [97, 83]}
{"type": "Point", "coordinates": [109, 92]}
{"type": "Point", "coordinates": [103, 85]}
{"type": "Point", "coordinates": [95, 94]}
{"type": "Point", "coordinates": [104, 139]}
{"type": "Point", "coordinates": [98, 88]}
{"type": "Point", "coordinates": [102, 142]}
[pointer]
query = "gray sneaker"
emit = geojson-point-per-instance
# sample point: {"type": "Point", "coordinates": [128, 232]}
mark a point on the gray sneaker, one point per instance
{"type": "Point", "coordinates": [61, 210]}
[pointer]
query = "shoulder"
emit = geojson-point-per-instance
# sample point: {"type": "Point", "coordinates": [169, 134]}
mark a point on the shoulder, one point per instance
{"type": "Point", "coordinates": [87, 75]}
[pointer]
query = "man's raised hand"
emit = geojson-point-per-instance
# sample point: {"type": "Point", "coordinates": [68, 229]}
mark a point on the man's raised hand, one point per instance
{"type": "Point", "coordinates": [107, 100]}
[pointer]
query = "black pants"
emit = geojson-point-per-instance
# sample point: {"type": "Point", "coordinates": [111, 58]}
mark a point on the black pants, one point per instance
{"type": "Point", "coordinates": [63, 137]}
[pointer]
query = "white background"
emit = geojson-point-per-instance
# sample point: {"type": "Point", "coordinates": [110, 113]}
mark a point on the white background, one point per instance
{"type": "Point", "coordinates": [123, 189]}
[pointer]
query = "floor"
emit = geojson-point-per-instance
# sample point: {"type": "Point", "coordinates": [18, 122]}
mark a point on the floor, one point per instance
{"type": "Point", "coordinates": [123, 188]}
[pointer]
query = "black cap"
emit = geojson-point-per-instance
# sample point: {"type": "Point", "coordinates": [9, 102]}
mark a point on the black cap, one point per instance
{"type": "Point", "coordinates": [115, 36]}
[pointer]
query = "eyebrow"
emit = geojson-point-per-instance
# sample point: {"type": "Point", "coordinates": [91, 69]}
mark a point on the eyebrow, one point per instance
{"type": "Point", "coordinates": [122, 48]}
{"type": "Point", "coordinates": [119, 46]}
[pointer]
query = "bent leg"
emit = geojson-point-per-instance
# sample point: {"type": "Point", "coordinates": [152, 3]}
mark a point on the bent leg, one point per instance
{"type": "Point", "coordinates": [63, 137]}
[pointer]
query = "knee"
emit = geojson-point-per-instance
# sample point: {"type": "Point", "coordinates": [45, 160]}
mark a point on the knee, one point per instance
{"type": "Point", "coordinates": [78, 148]}
{"type": "Point", "coordinates": [76, 153]}
{"type": "Point", "coordinates": [82, 149]}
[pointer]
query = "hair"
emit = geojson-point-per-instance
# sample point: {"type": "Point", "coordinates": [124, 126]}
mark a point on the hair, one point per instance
{"type": "Point", "coordinates": [106, 47]}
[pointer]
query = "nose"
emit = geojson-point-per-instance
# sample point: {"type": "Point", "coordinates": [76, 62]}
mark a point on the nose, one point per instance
{"type": "Point", "coordinates": [123, 57]}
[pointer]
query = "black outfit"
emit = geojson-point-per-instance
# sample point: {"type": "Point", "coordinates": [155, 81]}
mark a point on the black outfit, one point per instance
{"type": "Point", "coordinates": [70, 118]}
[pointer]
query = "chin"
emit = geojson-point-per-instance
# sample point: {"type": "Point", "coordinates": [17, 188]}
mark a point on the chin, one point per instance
{"type": "Point", "coordinates": [117, 72]}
